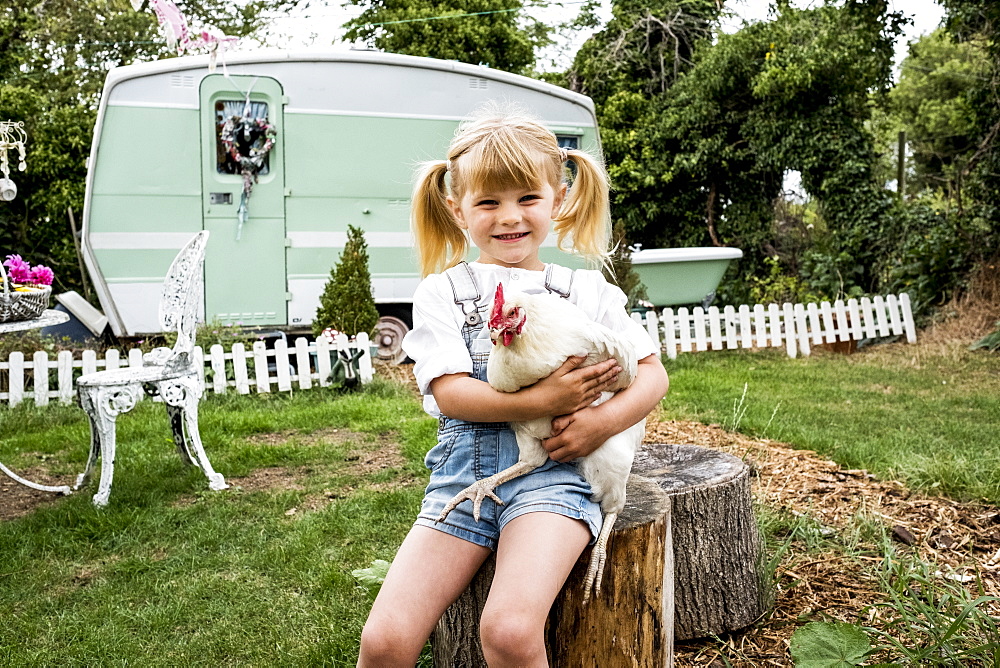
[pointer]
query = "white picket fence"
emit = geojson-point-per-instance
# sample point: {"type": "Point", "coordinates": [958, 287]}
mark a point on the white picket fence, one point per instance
{"type": "Point", "coordinates": [795, 327]}
{"type": "Point", "coordinates": [261, 369]}
{"type": "Point", "coordinates": [307, 364]}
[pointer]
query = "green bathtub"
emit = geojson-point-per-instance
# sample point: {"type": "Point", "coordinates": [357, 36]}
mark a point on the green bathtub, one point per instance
{"type": "Point", "coordinates": [676, 276]}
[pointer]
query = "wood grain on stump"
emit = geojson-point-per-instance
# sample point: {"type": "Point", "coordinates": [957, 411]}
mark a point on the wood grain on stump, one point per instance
{"type": "Point", "coordinates": [719, 583]}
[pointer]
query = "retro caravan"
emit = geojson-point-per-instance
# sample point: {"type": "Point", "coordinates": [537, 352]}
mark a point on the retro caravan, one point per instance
{"type": "Point", "coordinates": [321, 140]}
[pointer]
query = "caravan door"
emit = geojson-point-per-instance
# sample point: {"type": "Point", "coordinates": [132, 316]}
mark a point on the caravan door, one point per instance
{"type": "Point", "coordinates": [245, 263]}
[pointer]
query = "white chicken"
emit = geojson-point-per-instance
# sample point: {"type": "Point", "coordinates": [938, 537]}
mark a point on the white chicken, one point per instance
{"type": "Point", "coordinates": [538, 333]}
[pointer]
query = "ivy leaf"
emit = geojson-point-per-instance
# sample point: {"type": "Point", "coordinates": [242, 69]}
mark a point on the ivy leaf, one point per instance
{"type": "Point", "coordinates": [829, 645]}
{"type": "Point", "coordinates": [374, 575]}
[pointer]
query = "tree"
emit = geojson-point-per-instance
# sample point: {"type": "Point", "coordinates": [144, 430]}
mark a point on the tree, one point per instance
{"type": "Point", "coordinates": [979, 21]}
{"type": "Point", "coordinates": [934, 105]}
{"type": "Point", "coordinates": [346, 304]}
{"type": "Point", "coordinates": [627, 68]}
{"type": "Point", "coordinates": [481, 32]}
{"type": "Point", "coordinates": [697, 150]}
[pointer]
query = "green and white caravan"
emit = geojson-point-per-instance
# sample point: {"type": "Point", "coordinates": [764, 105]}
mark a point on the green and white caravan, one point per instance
{"type": "Point", "coordinates": [351, 127]}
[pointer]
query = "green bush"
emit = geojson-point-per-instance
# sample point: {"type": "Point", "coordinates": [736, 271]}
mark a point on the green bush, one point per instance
{"type": "Point", "coordinates": [780, 287]}
{"type": "Point", "coordinates": [346, 304]}
{"type": "Point", "coordinates": [931, 255]}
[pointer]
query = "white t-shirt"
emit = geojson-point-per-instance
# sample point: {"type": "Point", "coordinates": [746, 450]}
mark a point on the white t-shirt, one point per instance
{"type": "Point", "coordinates": [436, 345]}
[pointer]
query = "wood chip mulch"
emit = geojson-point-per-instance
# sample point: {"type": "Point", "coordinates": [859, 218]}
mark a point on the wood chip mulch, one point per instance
{"type": "Point", "coordinates": [960, 541]}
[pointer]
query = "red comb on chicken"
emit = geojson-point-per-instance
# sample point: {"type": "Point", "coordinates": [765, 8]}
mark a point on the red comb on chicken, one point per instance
{"type": "Point", "coordinates": [505, 323]}
{"type": "Point", "coordinates": [496, 315]}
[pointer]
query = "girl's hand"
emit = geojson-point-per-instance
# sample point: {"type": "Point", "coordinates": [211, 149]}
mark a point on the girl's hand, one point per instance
{"type": "Point", "coordinates": [576, 435]}
{"type": "Point", "coordinates": [580, 433]}
{"type": "Point", "coordinates": [568, 388]}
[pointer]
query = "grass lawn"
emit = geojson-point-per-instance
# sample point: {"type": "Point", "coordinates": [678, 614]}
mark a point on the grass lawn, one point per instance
{"type": "Point", "coordinates": [932, 422]}
{"type": "Point", "coordinates": [171, 573]}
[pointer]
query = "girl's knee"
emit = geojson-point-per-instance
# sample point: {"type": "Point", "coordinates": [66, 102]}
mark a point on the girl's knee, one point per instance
{"type": "Point", "coordinates": [384, 644]}
{"type": "Point", "coordinates": [511, 638]}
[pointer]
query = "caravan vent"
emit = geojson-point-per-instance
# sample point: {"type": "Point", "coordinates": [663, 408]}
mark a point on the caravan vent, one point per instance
{"type": "Point", "coordinates": [478, 83]}
{"type": "Point", "coordinates": [182, 81]}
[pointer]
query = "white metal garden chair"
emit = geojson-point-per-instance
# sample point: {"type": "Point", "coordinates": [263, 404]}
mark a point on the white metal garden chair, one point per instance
{"type": "Point", "coordinates": [169, 373]}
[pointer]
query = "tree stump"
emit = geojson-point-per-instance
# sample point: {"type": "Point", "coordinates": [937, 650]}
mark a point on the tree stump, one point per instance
{"type": "Point", "coordinates": [685, 550]}
{"type": "Point", "coordinates": [719, 582]}
{"type": "Point", "coordinates": [628, 624]}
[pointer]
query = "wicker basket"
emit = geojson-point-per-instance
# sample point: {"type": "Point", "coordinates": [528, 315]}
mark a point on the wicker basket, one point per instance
{"type": "Point", "coordinates": [16, 306]}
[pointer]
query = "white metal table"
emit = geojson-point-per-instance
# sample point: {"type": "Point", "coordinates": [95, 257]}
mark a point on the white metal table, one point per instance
{"type": "Point", "coordinates": [48, 318]}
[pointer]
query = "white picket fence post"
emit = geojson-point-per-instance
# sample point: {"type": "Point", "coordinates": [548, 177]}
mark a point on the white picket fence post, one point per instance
{"type": "Point", "coordinates": [303, 366]}
{"type": "Point", "coordinates": [796, 327]}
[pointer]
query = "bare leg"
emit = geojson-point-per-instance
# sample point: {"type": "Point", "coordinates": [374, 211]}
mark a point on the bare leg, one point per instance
{"type": "Point", "coordinates": [479, 490]}
{"type": "Point", "coordinates": [598, 556]}
{"type": "Point", "coordinates": [536, 553]}
{"type": "Point", "coordinates": [429, 572]}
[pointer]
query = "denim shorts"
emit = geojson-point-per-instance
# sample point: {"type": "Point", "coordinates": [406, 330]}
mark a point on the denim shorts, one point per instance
{"type": "Point", "coordinates": [469, 451]}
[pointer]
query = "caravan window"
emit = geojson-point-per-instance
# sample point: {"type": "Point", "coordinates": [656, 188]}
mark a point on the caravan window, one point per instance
{"type": "Point", "coordinates": [224, 110]}
{"type": "Point", "coordinates": [569, 142]}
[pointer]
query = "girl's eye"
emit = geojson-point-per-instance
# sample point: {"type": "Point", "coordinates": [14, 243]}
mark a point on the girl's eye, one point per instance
{"type": "Point", "coordinates": [530, 198]}
{"type": "Point", "coordinates": [486, 202]}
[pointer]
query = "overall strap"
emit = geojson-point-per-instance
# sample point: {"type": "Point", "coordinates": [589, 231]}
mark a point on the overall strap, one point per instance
{"type": "Point", "coordinates": [466, 292]}
{"type": "Point", "coordinates": [559, 280]}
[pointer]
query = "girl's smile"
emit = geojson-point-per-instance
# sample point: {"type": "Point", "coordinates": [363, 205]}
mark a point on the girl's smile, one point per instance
{"type": "Point", "coordinates": [511, 237]}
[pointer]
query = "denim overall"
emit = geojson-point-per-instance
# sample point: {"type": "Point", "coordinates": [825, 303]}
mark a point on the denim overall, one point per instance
{"type": "Point", "coordinates": [469, 451]}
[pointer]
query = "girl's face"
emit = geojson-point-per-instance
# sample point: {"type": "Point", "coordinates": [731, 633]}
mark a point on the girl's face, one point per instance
{"type": "Point", "coordinates": [508, 225]}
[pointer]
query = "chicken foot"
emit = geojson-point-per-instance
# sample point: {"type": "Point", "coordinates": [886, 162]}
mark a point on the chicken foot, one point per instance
{"type": "Point", "coordinates": [597, 558]}
{"type": "Point", "coordinates": [479, 490]}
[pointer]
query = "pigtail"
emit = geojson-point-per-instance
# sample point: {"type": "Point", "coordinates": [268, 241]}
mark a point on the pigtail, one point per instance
{"type": "Point", "coordinates": [441, 243]}
{"type": "Point", "coordinates": [584, 221]}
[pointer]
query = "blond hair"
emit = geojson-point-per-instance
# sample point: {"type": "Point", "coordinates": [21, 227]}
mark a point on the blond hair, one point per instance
{"type": "Point", "coordinates": [497, 150]}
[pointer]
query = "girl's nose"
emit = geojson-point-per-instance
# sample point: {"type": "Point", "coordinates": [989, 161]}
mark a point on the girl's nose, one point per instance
{"type": "Point", "coordinates": [509, 214]}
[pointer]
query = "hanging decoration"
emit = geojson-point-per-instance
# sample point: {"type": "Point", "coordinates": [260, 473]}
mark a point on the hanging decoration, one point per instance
{"type": "Point", "coordinates": [178, 35]}
{"type": "Point", "coordinates": [12, 136]}
{"type": "Point", "coordinates": [248, 141]}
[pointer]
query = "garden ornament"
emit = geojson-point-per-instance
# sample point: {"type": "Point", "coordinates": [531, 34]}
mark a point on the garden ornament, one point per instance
{"type": "Point", "coordinates": [12, 136]}
{"type": "Point", "coordinates": [8, 189]}
{"type": "Point", "coordinates": [178, 35]}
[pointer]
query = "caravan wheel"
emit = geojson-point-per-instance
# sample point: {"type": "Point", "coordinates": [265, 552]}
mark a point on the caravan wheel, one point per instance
{"type": "Point", "coordinates": [389, 333]}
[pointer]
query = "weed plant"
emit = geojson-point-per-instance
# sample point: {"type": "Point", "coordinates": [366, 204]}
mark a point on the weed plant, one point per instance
{"type": "Point", "coordinates": [927, 617]}
{"type": "Point", "coordinates": [932, 620]}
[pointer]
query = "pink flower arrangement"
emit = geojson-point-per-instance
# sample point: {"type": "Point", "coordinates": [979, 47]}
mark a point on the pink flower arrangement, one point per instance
{"type": "Point", "coordinates": [20, 271]}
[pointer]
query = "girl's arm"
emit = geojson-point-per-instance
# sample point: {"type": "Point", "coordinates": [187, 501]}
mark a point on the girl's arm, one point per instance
{"type": "Point", "coordinates": [565, 390]}
{"type": "Point", "coordinates": [580, 433]}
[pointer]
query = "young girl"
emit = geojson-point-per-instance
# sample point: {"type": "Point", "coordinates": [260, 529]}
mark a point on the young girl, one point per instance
{"type": "Point", "coordinates": [502, 187]}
